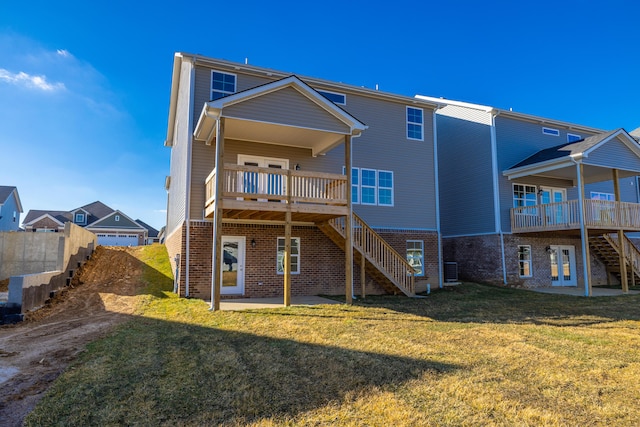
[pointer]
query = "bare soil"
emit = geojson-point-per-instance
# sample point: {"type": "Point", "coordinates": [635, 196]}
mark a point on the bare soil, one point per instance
{"type": "Point", "coordinates": [33, 353]}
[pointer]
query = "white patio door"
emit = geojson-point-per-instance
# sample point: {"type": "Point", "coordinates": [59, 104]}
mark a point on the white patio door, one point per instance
{"type": "Point", "coordinates": [556, 214]}
{"type": "Point", "coordinates": [233, 251]}
{"type": "Point", "coordinates": [563, 265]}
{"type": "Point", "coordinates": [255, 183]}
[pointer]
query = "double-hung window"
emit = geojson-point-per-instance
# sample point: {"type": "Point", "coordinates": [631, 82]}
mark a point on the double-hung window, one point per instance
{"type": "Point", "coordinates": [368, 186]}
{"type": "Point", "coordinates": [524, 261]}
{"type": "Point", "coordinates": [294, 256]}
{"type": "Point", "coordinates": [415, 123]}
{"type": "Point", "coordinates": [222, 84]}
{"type": "Point", "coordinates": [371, 186]}
{"type": "Point", "coordinates": [385, 188]}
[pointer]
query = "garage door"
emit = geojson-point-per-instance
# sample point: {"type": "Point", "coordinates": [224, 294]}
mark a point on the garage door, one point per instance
{"type": "Point", "coordinates": [118, 239]}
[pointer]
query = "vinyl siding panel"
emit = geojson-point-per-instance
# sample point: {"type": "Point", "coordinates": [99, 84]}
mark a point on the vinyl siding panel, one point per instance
{"type": "Point", "coordinates": [202, 163]}
{"type": "Point", "coordinates": [614, 154]}
{"type": "Point", "coordinates": [466, 178]}
{"type": "Point", "coordinates": [288, 107]}
{"type": "Point", "coordinates": [6, 215]}
{"type": "Point", "coordinates": [383, 146]}
{"type": "Point", "coordinates": [628, 189]}
{"type": "Point", "coordinates": [517, 140]}
{"type": "Point", "coordinates": [177, 195]}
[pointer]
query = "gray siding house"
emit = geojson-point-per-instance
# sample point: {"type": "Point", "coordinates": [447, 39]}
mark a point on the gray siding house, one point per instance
{"type": "Point", "coordinates": [285, 185]}
{"type": "Point", "coordinates": [534, 202]}
{"type": "Point", "coordinates": [10, 208]}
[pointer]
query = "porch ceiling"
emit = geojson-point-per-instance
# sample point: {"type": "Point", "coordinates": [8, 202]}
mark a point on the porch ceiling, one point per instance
{"type": "Point", "coordinates": [318, 141]}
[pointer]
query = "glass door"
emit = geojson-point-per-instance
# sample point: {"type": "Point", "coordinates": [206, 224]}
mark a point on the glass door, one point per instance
{"type": "Point", "coordinates": [233, 250]}
{"type": "Point", "coordinates": [563, 265]}
{"type": "Point", "coordinates": [555, 214]}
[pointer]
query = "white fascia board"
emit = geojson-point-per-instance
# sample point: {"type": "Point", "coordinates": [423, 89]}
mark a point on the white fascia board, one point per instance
{"type": "Point", "coordinates": [173, 100]}
{"type": "Point", "coordinates": [42, 217]}
{"type": "Point", "coordinates": [542, 167]}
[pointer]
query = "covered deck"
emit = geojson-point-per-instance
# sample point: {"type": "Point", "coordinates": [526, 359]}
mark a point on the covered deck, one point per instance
{"type": "Point", "coordinates": [253, 193]}
{"type": "Point", "coordinates": [604, 157]}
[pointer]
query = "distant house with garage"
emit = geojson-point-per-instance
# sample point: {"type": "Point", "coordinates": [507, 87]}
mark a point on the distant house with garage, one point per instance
{"type": "Point", "coordinates": [10, 208]}
{"type": "Point", "coordinates": [113, 227]}
{"type": "Point", "coordinates": [152, 233]}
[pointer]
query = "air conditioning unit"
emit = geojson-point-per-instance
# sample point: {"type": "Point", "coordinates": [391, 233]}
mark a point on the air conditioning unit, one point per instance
{"type": "Point", "coordinates": [450, 272]}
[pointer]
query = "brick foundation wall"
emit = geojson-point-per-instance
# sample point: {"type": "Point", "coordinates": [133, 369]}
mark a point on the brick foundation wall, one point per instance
{"type": "Point", "coordinates": [398, 240]}
{"type": "Point", "coordinates": [321, 261]}
{"type": "Point", "coordinates": [479, 259]}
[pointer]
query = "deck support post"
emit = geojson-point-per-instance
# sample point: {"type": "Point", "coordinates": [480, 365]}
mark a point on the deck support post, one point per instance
{"type": "Point", "coordinates": [584, 233]}
{"type": "Point", "coordinates": [621, 238]}
{"type": "Point", "coordinates": [363, 272]}
{"type": "Point", "coordinates": [287, 245]}
{"type": "Point", "coordinates": [348, 232]}
{"type": "Point", "coordinates": [216, 270]}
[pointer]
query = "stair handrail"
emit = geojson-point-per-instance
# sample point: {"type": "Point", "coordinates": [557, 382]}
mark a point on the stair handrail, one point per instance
{"type": "Point", "coordinates": [393, 265]}
{"type": "Point", "coordinates": [632, 254]}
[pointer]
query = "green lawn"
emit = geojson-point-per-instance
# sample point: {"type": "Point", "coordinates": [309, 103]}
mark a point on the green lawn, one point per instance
{"type": "Point", "coordinates": [474, 355]}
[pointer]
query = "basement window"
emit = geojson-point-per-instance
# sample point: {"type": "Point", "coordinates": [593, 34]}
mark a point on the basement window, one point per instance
{"type": "Point", "coordinates": [524, 261]}
{"type": "Point", "coordinates": [294, 256]}
{"type": "Point", "coordinates": [415, 256]}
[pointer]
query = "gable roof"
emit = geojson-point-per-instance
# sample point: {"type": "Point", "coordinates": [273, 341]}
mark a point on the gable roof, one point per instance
{"type": "Point", "coordinates": [635, 133]}
{"type": "Point", "coordinates": [560, 161]}
{"type": "Point", "coordinates": [151, 232]}
{"type": "Point", "coordinates": [570, 149]}
{"type": "Point", "coordinates": [6, 192]}
{"type": "Point", "coordinates": [105, 219]}
{"type": "Point", "coordinates": [320, 133]}
{"type": "Point", "coordinates": [36, 215]}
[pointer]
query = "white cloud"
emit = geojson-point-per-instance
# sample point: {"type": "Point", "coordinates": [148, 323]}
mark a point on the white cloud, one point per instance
{"type": "Point", "coordinates": [29, 81]}
{"type": "Point", "coordinates": [65, 53]}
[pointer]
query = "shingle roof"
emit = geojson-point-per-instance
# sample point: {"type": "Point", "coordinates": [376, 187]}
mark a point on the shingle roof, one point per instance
{"type": "Point", "coordinates": [5, 192]}
{"type": "Point", "coordinates": [151, 232]}
{"type": "Point", "coordinates": [635, 133]}
{"type": "Point", "coordinates": [565, 150]}
{"type": "Point", "coordinates": [96, 210]}
{"type": "Point", "coordinates": [33, 214]}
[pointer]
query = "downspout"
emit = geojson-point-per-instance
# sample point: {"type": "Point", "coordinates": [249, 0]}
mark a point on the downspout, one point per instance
{"type": "Point", "coordinates": [437, 193]}
{"type": "Point", "coordinates": [187, 219]}
{"type": "Point", "coordinates": [496, 194]}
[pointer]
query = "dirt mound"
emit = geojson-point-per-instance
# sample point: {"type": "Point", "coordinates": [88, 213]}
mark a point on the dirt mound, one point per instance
{"type": "Point", "coordinates": [4, 285]}
{"type": "Point", "coordinates": [33, 353]}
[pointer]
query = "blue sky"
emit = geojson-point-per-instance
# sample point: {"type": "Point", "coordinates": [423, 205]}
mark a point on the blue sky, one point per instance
{"type": "Point", "coordinates": [84, 86]}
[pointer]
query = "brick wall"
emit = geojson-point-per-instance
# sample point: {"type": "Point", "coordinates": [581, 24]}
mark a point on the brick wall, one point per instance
{"type": "Point", "coordinates": [479, 259]}
{"type": "Point", "coordinates": [398, 240]}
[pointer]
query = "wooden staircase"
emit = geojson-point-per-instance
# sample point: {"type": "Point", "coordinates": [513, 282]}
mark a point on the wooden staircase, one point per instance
{"type": "Point", "coordinates": [607, 248]}
{"type": "Point", "coordinates": [382, 262]}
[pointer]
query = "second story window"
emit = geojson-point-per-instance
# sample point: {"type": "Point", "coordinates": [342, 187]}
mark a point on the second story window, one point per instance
{"type": "Point", "coordinates": [117, 218]}
{"type": "Point", "coordinates": [524, 195]}
{"type": "Point", "coordinates": [572, 137]}
{"type": "Point", "coordinates": [415, 123]}
{"type": "Point", "coordinates": [222, 84]}
{"type": "Point", "coordinates": [80, 218]}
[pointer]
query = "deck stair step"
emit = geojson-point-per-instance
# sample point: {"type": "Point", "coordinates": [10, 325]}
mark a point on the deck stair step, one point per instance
{"type": "Point", "coordinates": [382, 263]}
{"type": "Point", "coordinates": [607, 248]}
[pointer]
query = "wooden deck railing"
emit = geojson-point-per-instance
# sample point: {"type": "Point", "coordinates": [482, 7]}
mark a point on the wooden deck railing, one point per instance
{"type": "Point", "coordinates": [377, 251]}
{"type": "Point", "coordinates": [598, 214]}
{"type": "Point", "coordinates": [278, 185]}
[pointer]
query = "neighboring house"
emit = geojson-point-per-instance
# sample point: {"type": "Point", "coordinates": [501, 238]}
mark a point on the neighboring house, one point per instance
{"type": "Point", "coordinates": [535, 202]}
{"type": "Point", "coordinates": [152, 233]}
{"type": "Point", "coordinates": [10, 208]}
{"type": "Point", "coordinates": [299, 155]}
{"type": "Point", "coordinates": [112, 227]}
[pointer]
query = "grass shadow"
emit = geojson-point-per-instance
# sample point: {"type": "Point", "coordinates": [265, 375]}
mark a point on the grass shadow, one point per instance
{"type": "Point", "coordinates": [477, 303]}
{"type": "Point", "coordinates": [169, 373]}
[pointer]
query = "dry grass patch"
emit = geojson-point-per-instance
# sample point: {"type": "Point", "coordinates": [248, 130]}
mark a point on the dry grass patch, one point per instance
{"type": "Point", "coordinates": [476, 355]}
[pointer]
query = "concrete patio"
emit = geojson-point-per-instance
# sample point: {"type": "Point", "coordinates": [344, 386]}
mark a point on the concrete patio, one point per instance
{"type": "Point", "coordinates": [276, 302]}
{"type": "Point", "coordinates": [579, 292]}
